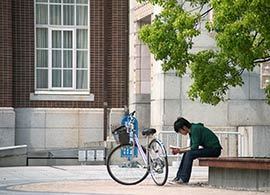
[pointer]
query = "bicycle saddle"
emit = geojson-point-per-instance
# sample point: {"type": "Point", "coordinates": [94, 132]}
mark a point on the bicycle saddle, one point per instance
{"type": "Point", "coordinates": [149, 131]}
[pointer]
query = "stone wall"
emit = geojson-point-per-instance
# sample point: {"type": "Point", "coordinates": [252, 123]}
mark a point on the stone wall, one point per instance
{"type": "Point", "coordinates": [47, 129]}
{"type": "Point", "coordinates": [244, 106]}
{"type": "Point", "coordinates": [7, 127]}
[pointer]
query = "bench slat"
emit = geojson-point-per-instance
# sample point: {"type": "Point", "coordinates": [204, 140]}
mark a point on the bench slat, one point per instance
{"type": "Point", "coordinates": [236, 163]}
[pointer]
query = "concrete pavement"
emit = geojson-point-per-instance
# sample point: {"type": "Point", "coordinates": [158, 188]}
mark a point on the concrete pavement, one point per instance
{"type": "Point", "coordinates": [94, 180]}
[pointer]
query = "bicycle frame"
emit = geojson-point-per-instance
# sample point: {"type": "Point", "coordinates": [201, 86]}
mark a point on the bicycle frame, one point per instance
{"type": "Point", "coordinates": [149, 160]}
{"type": "Point", "coordinates": [130, 126]}
{"type": "Point", "coordinates": [144, 155]}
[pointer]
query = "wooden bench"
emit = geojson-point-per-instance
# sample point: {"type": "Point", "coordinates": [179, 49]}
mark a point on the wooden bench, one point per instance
{"type": "Point", "coordinates": [241, 173]}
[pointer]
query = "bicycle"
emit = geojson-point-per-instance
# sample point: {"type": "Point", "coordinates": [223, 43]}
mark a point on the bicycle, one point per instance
{"type": "Point", "coordinates": [129, 163]}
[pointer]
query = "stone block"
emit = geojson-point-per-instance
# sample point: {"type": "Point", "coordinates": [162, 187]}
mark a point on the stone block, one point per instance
{"type": "Point", "coordinates": [91, 118]}
{"type": "Point", "coordinates": [30, 118]}
{"type": "Point", "coordinates": [256, 93]}
{"type": "Point", "coordinates": [261, 137]}
{"type": "Point", "coordinates": [62, 119]}
{"type": "Point", "coordinates": [61, 138]}
{"type": "Point", "coordinates": [172, 110]}
{"type": "Point", "coordinates": [7, 118]}
{"type": "Point", "coordinates": [172, 88]}
{"type": "Point", "coordinates": [7, 137]}
{"type": "Point", "coordinates": [248, 113]}
{"type": "Point", "coordinates": [7, 127]}
{"type": "Point", "coordinates": [207, 114]}
{"type": "Point", "coordinates": [90, 135]}
{"type": "Point", "coordinates": [116, 116]}
{"type": "Point", "coordinates": [157, 87]}
{"type": "Point", "coordinates": [186, 82]}
{"type": "Point", "coordinates": [34, 138]}
{"type": "Point", "coordinates": [203, 41]}
{"type": "Point", "coordinates": [143, 115]}
{"type": "Point", "coordinates": [145, 87]}
{"type": "Point", "coordinates": [145, 75]}
{"type": "Point", "coordinates": [241, 92]}
{"type": "Point", "coordinates": [156, 113]}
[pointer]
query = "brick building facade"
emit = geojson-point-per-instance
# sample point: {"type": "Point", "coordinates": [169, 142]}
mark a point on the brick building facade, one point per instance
{"type": "Point", "coordinates": [33, 117]}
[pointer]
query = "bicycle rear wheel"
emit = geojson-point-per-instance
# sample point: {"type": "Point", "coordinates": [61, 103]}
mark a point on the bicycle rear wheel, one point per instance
{"type": "Point", "coordinates": [126, 166]}
{"type": "Point", "coordinates": [158, 162]}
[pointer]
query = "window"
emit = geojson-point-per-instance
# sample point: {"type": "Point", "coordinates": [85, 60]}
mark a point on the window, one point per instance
{"type": "Point", "coordinates": [62, 45]}
{"type": "Point", "coordinates": [265, 75]}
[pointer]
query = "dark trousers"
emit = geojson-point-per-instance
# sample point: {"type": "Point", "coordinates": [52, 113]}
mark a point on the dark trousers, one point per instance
{"type": "Point", "coordinates": [185, 167]}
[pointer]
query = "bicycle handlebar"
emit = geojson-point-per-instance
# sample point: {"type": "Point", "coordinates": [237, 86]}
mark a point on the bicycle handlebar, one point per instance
{"type": "Point", "coordinates": [132, 114]}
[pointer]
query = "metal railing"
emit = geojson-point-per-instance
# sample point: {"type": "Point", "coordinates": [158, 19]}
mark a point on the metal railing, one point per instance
{"type": "Point", "coordinates": [231, 141]}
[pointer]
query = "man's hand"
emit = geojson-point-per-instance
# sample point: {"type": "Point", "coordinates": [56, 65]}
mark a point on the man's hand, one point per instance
{"type": "Point", "coordinates": [178, 150]}
{"type": "Point", "coordinates": [175, 151]}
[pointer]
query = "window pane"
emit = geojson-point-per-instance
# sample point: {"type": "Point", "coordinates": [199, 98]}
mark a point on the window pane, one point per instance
{"type": "Point", "coordinates": [42, 38]}
{"type": "Point", "coordinates": [42, 58]}
{"type": "Point", "coordinates": [68, 14]}
{"type": "Point", "coordinates": [55, 1]}
{"type": "Point", "coordinates": [67, 80]}
{"type": "Point", "coordinates": [81, 82]}
{"type": "Point", "coordinates": [82, 59]}
{"type": "Point", "coordinates": [82, 15]}
{"type": "Point", "coordinates": [42, 1]}
{"type": "Point", "coordinates": [67, 59]}
{"type": "Point", "coordinates": [56, 58]}
{"type": "Point", "coordinates": [42, 78]}
{"type": "Point", "coordinates": [56, 39]}
{"type": "Point", "coordinates": [82, 39]}
{"type": "Point", "coordinates": [82, 1]}
{"type": "Point", "coordinates": [56, 78]}
{"type": "Point", "coordinates": [67, 39]}
{"type": "Point", "coordinates": [68, 1]}
{"type": "Point", "coordinates": [55, 14]}
{"type": "Point", "coordinates": [41, 14]}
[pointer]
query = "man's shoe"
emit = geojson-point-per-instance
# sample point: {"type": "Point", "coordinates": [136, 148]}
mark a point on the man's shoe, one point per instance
{"type": "Point", "coordinates": [180, 181]}
{"type": "Point", "coordinates": [177, 181]}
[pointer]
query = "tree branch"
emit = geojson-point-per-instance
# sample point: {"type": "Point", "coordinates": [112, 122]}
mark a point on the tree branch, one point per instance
{"type": "Point", "coordinates": [254, 37]}
{"type": "Point", "coordinates": [196, 8]}
{"type": "Point", "coordinates": [266, 59]}
{"type": "Point", "coordinates": [205, 13]}
{"type": "Point", "coordinates": [260, 43]}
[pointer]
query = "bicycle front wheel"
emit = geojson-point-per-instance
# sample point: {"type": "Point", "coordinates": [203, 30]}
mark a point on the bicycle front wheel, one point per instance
{"type": "Point", "coordinates": [126, 166]}
{"type": "Point", "coordinates": [158, 162]}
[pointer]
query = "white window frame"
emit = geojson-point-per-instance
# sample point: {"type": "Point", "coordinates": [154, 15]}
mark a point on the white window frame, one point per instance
{"type": "Point", "coordinates": [50, 68]}
{"type": "Point", "coordinates": [73, 28]}
{"type": "Point", "coordinates": [264, 74]}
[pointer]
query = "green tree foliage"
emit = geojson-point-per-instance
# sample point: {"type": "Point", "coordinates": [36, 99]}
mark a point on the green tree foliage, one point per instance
{"type": "Point", "coordinates": [242, 32]}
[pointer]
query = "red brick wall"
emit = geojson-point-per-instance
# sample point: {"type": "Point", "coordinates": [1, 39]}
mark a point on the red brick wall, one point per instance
{"type": "Point", "coordinates": [116, 55]}
{"type": "Point", "coordinates": [119, 71]}
{"type": "Point", "coordinates": [5, 53]}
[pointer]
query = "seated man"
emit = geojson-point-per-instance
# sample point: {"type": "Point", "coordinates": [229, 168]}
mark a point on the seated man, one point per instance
{"type": "Point", "coordinates": [199, 136]}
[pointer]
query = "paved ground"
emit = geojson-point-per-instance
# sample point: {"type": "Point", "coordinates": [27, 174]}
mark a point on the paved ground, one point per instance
{"type": "Point", "coordinates": [94, 180]}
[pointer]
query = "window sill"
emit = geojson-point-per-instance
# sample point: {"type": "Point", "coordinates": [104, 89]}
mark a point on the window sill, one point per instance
{"type": "Point", "coordinates": [61, 97]}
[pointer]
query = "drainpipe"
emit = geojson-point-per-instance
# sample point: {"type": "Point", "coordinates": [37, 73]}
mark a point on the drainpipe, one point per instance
{"type": "Point", "coordinates": [106, 44]}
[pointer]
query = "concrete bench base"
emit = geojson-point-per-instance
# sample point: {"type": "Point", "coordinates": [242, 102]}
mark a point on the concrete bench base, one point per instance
{"type": "Point", "coordinates": [238, 173]}
{"type": "Point", "coordinates": [258, 180]}
{"type": "Point", "coordinates": [13, 156]}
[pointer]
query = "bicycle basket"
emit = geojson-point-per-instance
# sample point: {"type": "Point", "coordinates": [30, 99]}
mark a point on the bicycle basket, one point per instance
{"type": "Point", "coordinates": [121, 135]}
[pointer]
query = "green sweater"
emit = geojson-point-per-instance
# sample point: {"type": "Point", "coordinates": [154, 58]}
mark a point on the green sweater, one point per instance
{"type": "Point", "coordinates": [202, 136]}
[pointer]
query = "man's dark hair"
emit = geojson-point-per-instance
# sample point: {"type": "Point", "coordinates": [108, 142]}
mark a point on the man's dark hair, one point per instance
{"type": "Point", "coordinates": [180, 123]}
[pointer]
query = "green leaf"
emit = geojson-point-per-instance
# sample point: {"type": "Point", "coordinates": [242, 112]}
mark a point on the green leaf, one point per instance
{"type": "Point", "coordinates": [242, 34]}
